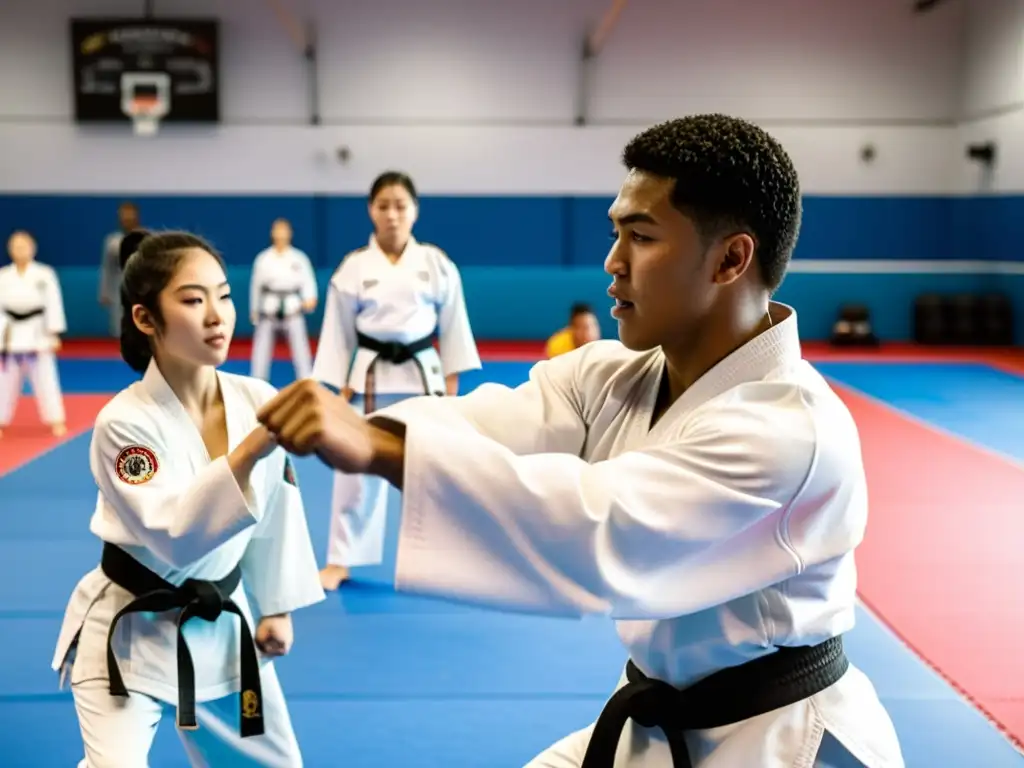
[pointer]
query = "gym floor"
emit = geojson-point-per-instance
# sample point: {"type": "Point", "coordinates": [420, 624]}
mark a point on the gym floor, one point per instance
{"type": "Point", "coordinates": [379, 679]}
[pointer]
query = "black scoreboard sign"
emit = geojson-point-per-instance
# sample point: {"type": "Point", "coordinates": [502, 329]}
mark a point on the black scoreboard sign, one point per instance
{"type": "Point", "coordinates": [179, 55]}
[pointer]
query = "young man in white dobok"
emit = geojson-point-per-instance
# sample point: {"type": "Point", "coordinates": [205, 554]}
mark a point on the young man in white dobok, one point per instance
{"type": "Point", "coordinates": [698, 482]}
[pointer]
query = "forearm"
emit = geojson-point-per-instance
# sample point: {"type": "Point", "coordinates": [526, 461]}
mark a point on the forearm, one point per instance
{"type": "Point", "coordinates": [256, 446]}
{"type": "Point", "coordinates": [528, 419]}
{"type": "Point", "coordinates": [388, 462]}
{"type": "Point", "coordinates": [182, 525]}
{"type": "Point", "coordinates": [554, 534]}
{"type": "Point", "coordinates": [242, 460]}
{"type": "Point", "coordinates": [452, 384]}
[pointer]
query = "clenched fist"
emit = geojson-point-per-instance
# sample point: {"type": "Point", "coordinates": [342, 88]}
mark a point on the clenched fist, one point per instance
{"type": "Point", "coordinates": [308, 418]}
{"type": "Point", "coordinates": [275, 635]}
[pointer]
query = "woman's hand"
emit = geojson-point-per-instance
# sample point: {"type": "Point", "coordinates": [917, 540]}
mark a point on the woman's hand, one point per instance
{"type": "Point", "coordinates": [275, 635]}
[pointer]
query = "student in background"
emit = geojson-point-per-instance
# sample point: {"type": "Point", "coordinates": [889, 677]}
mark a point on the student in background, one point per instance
{"type": "Point", "coordinates": [31, 321]}
{"type": "Point", "coordinates": [282, 292]}
{"type": "Point", "coordinates": [385, 305]}
{"type": "Point", "coordinates": [582, 329]}
{"type": "Point", "coordinates": [110, 265]}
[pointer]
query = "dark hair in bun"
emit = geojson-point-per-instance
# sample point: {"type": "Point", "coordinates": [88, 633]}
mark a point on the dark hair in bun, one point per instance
{"type": "Point", "coordinates": [148, 263]}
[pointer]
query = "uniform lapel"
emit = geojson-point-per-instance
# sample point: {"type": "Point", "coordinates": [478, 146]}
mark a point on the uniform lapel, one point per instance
{"type": "Point", "coordinates": [411, 247]}
{"type": "Point", "coordinates": [779, 345]}
{"type": "Point", "coordinates": [181, 423]}
{"type": "Point", "coordinates": [182, 433]}
{"type": "Point", "coordinates": [234, 412]}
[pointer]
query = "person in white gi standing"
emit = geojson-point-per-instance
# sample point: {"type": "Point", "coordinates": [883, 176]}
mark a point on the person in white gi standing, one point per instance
{"type": "Point", "coordinates": [31, 321]}
{"type": "Point", "coordinates": [385, 304]}
{"type": "Point", "coordinates": [282, 292]}
{"type": "Point", "coordinates": [698, 482]}
{"type": "Point", "coordinates": [196, 506]}
{"type": "Point", "coordinates": [110, 266]}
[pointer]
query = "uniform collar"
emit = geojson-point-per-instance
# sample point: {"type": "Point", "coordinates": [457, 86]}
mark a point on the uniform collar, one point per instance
{"type": "Point", "coordinates": [32, 267]}
{"type": "Point", "coordinates": [156, 385]}
{"type": "Point", "coordinates": [409, 246]}
{"type": "Point", "coordinates": [776, 347]}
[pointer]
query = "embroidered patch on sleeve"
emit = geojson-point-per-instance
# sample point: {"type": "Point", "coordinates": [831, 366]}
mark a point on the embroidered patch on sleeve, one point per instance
{"type": "Point", "coordinates": [289, 472]}
{"type": "Point", "coordinates": [136, 465]}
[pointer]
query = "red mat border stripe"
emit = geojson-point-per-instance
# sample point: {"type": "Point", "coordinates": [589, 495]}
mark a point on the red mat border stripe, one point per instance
{"type": "Point", "coordinates": [1010, 359]}
{"type": "Point", "coordinates": [1018, 743]}
{"type": "Point", "coordinates": [1012, 362]}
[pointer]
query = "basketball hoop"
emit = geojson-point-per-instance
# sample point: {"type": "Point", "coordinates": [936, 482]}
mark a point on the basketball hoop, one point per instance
{"type": "Point", "coordinates": [145, 98]}
{"type": "Point", "coordinates": [145, 114]}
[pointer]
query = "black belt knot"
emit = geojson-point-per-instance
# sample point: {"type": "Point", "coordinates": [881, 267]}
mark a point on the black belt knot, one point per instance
{"type": "Point", "coordinates": [393, 352]}
{"type": "Point", "coordinates": [282, 295]}
{"type": "Point", "coordinates": [207, 602]}
{"type": "Point", "coordinates": [195, 598]}
{"type": "Point", "coordinates": [728, 696]}
{"type": "Point", "coordinates": [649, 700]}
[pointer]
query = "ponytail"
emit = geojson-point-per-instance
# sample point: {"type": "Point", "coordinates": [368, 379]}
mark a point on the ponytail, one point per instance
{"type": "Point", "coordinates": [135, 348]}
{"type": "Point", "coordinates": [130, 244]}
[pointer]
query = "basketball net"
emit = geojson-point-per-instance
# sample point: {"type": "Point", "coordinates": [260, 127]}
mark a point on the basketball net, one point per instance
{"type": "Point", "coordinates": [146, 113]}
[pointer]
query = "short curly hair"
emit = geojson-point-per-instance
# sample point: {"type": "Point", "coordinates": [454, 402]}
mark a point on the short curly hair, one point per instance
{"type": "Point", "coordinates": [729, 174]}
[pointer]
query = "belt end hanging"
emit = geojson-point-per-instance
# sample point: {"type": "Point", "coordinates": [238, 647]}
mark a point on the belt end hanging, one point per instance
{"type": "Point", "coordinates": [186, 721]}
{"type": "Point", "coordinates": [251, 711]}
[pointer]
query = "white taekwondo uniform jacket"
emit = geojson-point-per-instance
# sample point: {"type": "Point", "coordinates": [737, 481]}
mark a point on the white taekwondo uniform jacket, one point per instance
{"type": "Point", "coordinates": [183, 516]}
{"type": "Point", "coordinates": [404, 302]}
{"type": "Point", "coordinates": [31, 308]}
{"type": "Point", "coordinates": [281, 283]}
{"type": "Point", "coordinates": [722, 531]}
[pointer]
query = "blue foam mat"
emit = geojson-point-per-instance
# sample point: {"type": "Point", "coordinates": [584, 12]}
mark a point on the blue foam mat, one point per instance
{"type": "Point", "coordinates": [975, 402]}
{"type": "Point", "coordinates": [381, 679]}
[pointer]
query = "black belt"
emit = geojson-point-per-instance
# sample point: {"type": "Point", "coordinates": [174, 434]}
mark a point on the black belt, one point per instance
{"type": "Point", "coordinates": [281, 295]}
{"type": "Point", "coordinates": [728, 696]}
{"type": "Point", "coordinates": [203, 599]}
{"type": "Point", "coordinates": [393, 352]}
{"type": "Point", "coordinates": [20, 316]}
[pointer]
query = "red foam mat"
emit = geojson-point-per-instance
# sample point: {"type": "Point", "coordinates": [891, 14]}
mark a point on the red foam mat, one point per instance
{"type": "Point", "coordinates": [941, 562]}
{"type": "Point", "coordinates": [26, 438]}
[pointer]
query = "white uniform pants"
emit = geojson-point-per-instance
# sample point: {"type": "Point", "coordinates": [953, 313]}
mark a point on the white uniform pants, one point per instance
{"type": "Point", "coordinates": [117, 732]}
{"type": "Point", "coordinates": [359, 508]}
{"type": "Point", "coordinates": [41, 370]}
{"type": "Point", "coordinates": [267, 330]}
{"type": "Point", "coordinates": [797, 736]}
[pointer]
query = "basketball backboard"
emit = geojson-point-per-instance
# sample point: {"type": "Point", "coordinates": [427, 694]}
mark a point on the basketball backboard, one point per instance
{"type": "Point", "coordinates": [146, 71]}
